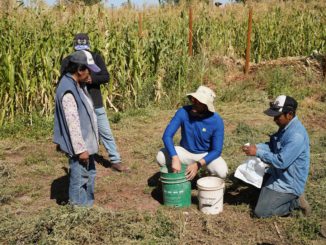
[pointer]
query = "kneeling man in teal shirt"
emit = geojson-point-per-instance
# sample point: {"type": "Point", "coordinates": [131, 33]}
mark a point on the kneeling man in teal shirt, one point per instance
{"type": "Point", "coordinates": [202, 135]}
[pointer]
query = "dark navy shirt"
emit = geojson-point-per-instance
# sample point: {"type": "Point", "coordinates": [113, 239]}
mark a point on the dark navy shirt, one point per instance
{"type": "Point", "coordinates": [198, 135]}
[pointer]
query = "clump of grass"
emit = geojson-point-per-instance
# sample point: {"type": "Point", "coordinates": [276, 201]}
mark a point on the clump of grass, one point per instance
{"type": "Point", "coordinates": [306, 229]}
{"type": "Point", "coordinates": [246, 133]}
{"type": "Point", "coordinates": [279, 81]}
{"type": "Point", "coordinates": [5, 172]}
{"type": "Point", "coordinates": [28, 126]}
{"type": "Point", "coordinates": [282, 80]}
{"type": "Point", "coordinates": [6, 175]}
{"type": "Point", "coordinates": [244, 91]}
{"type": "Point", "coordinates": [17, 190]}
{"type": "Point", "coordinates": [69, 224]}
{"type": "Point", "coordinates": [115, 118]}
{"type": "Point", "coordinates": [35, 159]}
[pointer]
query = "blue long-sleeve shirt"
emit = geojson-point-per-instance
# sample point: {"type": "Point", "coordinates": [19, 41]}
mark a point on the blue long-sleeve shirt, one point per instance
{"type": "Point", "coordinates": [198, 135]}
{"type": "Point", "coordinates": [289, 154]}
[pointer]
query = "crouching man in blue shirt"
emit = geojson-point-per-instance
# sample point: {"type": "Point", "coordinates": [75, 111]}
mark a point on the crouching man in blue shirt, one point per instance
{"type": "Point", "coordinates": [288, 153]}
{"type": "Point", "coordinates": [202, 135]}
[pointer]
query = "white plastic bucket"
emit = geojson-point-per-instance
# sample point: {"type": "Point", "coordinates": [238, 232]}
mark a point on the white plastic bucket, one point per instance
{"type": "Point", "coordinates": [210, 194]}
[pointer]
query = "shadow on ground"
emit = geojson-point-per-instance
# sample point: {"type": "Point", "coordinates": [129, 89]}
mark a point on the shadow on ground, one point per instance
{"type": "Point", "coordinates": [240, 193]}
{"type": "Point", "coordinates": [60, 188]}
{"type": "Point", "coordinates": [157, 193]}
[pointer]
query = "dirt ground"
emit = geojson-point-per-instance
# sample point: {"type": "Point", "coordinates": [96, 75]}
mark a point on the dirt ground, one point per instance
{"type": "Point", "coordinates": [42, 175]}
{"type": "Point", "coordinates": [39, 178]}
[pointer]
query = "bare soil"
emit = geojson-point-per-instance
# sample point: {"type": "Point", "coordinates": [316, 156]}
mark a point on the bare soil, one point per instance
{"type": "Point", "coordinates": [39, 175]}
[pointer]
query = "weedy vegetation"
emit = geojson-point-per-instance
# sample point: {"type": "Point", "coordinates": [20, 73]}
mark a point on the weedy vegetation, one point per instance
{"type": "Point", "coordinates": [148, 68]}
{"type": "Point", "coordinates": [150, 75]}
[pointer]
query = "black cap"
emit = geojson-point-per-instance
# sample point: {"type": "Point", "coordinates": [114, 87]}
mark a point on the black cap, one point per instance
{"type": "Point", "coordinates": [282, 104]}
{"type": "Point", "coordinates": [81, 41]}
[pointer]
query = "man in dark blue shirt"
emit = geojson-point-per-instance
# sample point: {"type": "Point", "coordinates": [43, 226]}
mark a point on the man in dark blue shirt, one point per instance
{"type": "Point", "coordinates": [202, 135]}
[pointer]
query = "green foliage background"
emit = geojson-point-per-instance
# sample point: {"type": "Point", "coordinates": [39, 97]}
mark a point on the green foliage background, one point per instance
{"type": "Point", "coordinates": [148, 68]}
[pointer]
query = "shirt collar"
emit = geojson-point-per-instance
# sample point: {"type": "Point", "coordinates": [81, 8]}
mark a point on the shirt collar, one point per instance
{"type": "Point", "coordinates": [71, 77]}
{"type": "Point", "coordinates": [290, 123]}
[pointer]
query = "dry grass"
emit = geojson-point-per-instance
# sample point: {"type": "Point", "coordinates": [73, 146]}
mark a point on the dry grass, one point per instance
{"type": "Point", "coordinates": [128, 209]}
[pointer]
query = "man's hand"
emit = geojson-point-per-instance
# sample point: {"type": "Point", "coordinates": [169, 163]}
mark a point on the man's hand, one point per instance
{"type": "Point", "coordinates": [191, 171]}
{"type": "Point", "coordinates": [176, 164]}
{"type": "Point", "coordinates": [250, 150]}
{"type": "Point", "coordinates": [84, 157]}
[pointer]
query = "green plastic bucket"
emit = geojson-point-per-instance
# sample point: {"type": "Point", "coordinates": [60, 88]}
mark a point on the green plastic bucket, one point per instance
{"type": "Point", "coordinates": [176, 188]}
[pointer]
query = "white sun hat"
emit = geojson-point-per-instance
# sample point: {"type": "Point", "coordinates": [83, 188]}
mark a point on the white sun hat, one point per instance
{"type": "Point", "coordinates": [206, 96]}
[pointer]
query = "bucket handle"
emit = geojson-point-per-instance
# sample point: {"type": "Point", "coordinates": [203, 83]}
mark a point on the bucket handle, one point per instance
{"type": "Point", "coordinates": [213, 203]}
{"type": "Point", "coordinates": [217, 200]}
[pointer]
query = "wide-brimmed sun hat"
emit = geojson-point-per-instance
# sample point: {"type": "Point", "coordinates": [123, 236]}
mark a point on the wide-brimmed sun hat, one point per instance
{"type": "Point", "coordinates": [282, 104]}
{"type": "Point", "coordinates": [205, 96]}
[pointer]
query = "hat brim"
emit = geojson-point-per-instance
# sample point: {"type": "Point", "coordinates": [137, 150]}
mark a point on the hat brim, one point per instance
{"type": "Point", "coordinates": [94, 68]}
{"type": "Point", "coordinates": [272, 113]}
{"type": "Point", "coordinates": [202, 100]}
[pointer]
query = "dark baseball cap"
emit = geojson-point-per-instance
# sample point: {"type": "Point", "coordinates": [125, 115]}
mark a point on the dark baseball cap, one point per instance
{"type": "Point", "coordinates": [282, 104]}
{"type": "Point", "coordinates": [81, 41]}
{"type": "Point", "coordinates": [85, 58]}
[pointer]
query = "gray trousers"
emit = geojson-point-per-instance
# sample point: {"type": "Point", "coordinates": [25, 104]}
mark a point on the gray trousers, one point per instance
{"type": "Point", "coordinates": [274, 203]}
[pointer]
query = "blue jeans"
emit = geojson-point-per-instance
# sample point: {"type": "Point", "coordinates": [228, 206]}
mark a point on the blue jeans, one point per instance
{"type": "Point", "coordinates": [81, 182]}
{"type": "Point", "coordinates": [106, 135]}
{"type": "Point", "coordinates": [272, 203]}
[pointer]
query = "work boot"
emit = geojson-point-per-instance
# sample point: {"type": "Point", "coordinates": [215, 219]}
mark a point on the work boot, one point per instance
{"type": "Point", "coordinates": [120, 168]}
{"type": "Point", "coordinates": [304, 205]}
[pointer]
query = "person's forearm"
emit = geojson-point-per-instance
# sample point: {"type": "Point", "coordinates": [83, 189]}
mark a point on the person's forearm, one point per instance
{"type": "Point", "coordinates": [100, 78]}
{"type": "Point", "coordinates": [212, 155]}
{"type": "Point", "coordinates": [169, 133]}
{"type": "Point", "coordinates": [286, 156]}
{"type": "Point", "coordinates": [216, 146]}
{"type": "Point", "coordinates": [169, 145]}
{"type": "Point", "coordinates": [103, 76]}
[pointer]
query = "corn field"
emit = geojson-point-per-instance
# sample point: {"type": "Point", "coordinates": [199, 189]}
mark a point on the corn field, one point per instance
{"type": "Point", "coordinates": [148, 67]}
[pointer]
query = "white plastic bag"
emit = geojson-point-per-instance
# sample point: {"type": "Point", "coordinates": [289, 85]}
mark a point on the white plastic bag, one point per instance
{"type": "Point", "coordinates": [251, 171]}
